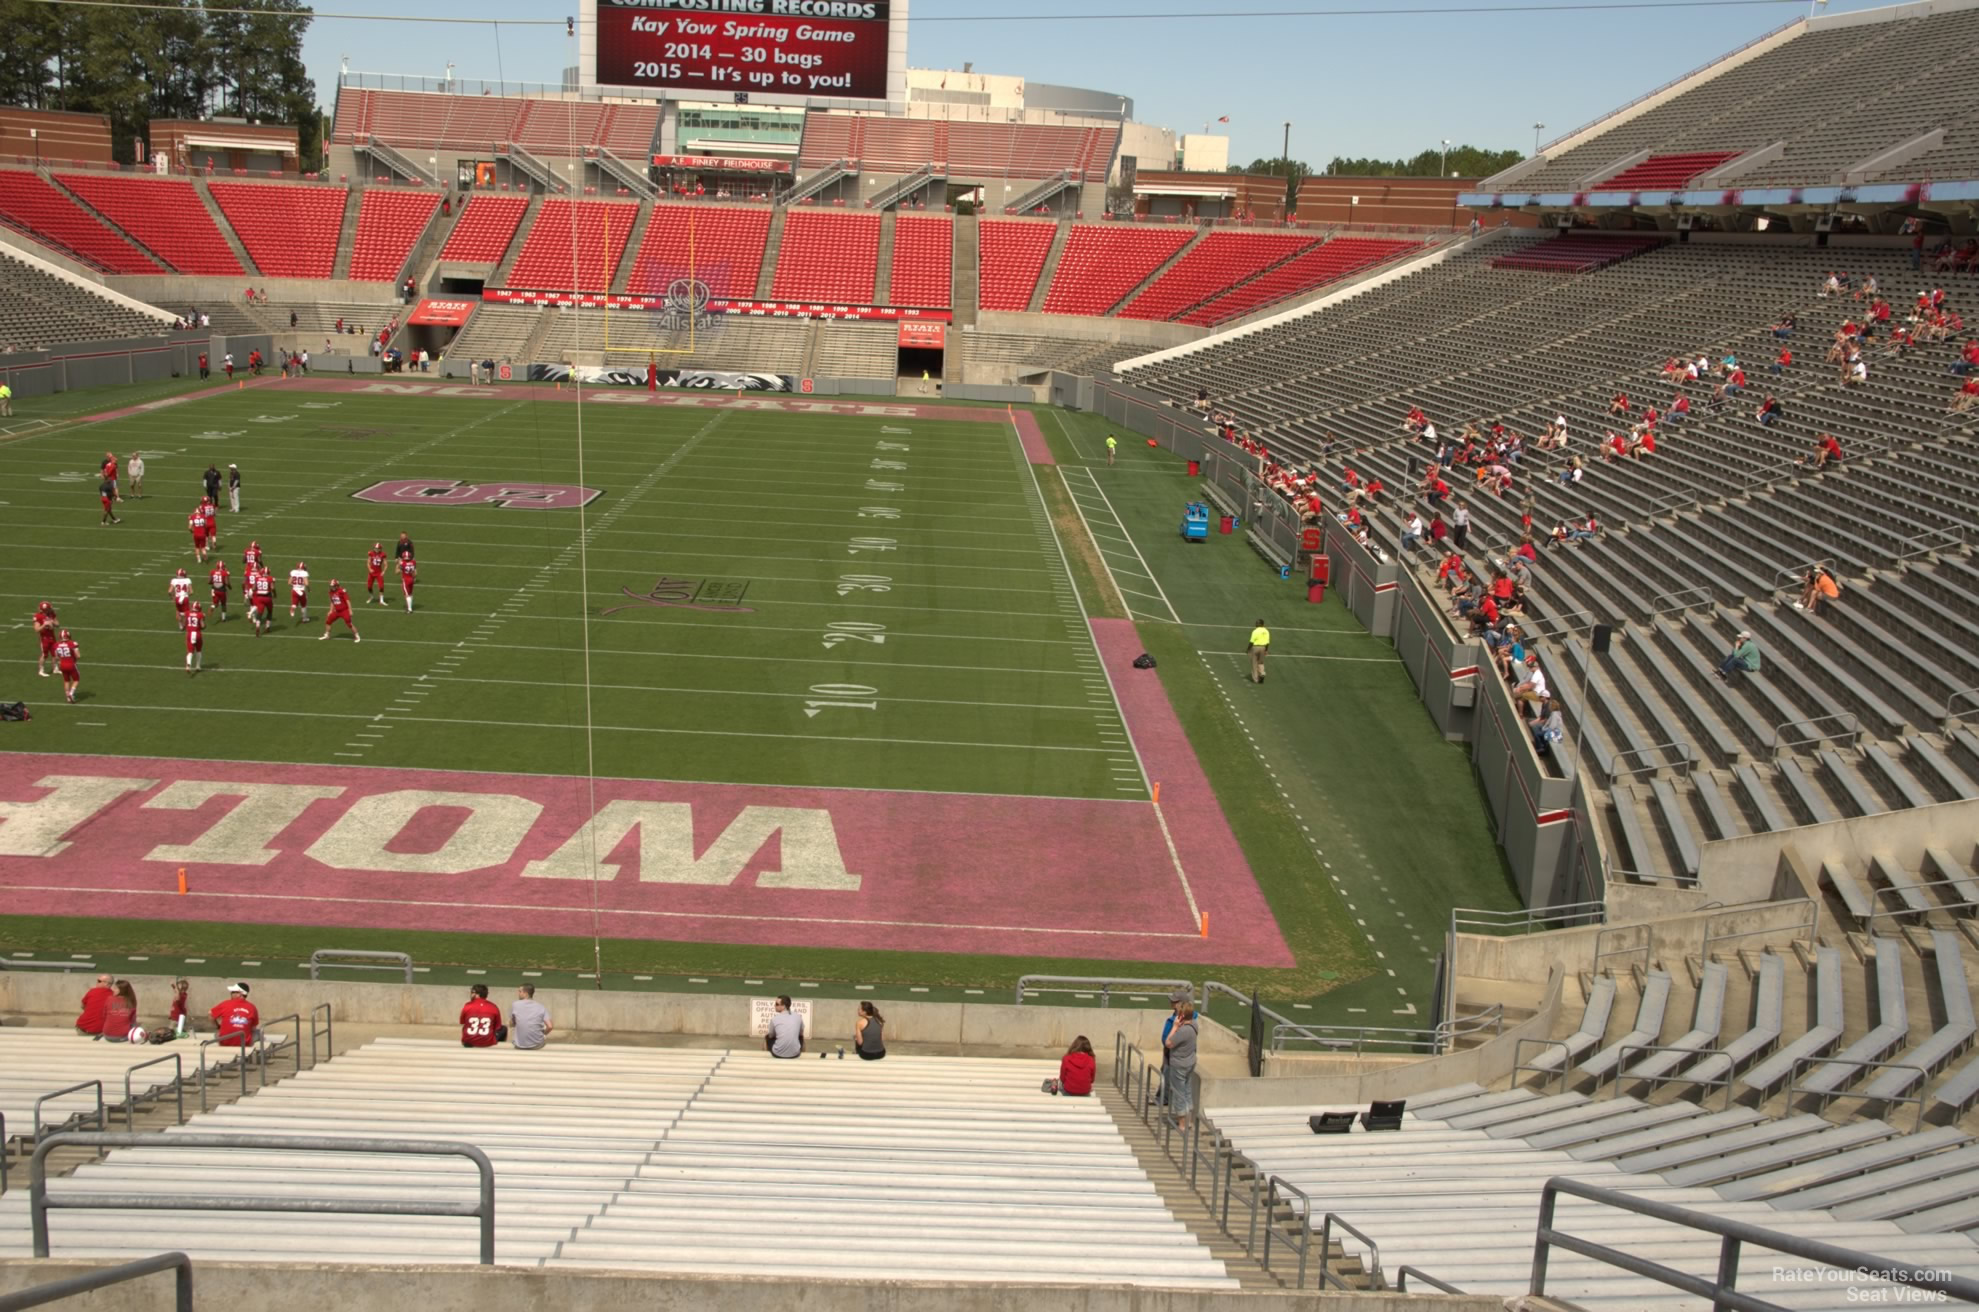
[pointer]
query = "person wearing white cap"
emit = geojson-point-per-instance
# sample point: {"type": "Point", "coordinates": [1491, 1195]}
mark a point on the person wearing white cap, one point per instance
{"type": "Point", "coordinates": [1744, 658]}
{"type": "Point", "coordinates": [234, 488]}
{"type": "Point", "coordinates": [236, 1019]}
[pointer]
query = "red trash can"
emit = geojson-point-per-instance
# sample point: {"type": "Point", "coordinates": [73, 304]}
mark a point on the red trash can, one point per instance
{"type": "Point", "coordinates": [1316, 590]}
{"type": "Point", "coordinates": [1229, 522]}
{"type": "Point", "coordinates": [1195, 468]}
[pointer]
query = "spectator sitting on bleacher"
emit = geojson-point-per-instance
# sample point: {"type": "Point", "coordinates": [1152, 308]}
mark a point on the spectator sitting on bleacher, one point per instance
{"type": "Point", "coordinates": [1783, 361]}
{"type": "Point", "coordinates": [1532, 689]}
{"type": "Point", "coordinates": [1620, 404]}
{"type": "Point", "coordinates": [1818, 586]}
{"type": "Point", "coordinates": [1523, 556]}
{"type": "Point", "coordinates": [869, 1033]}
{"type": "Point", "coordinates": [1968, 359]}
{"type": "Point", "coordinates": [786, 1036]}
{"type": "Point", "coordinates": [528, 1019]}
{"type": "Point", "coordinates": [1549, 728]}
{"type": "Point", "coordinates": [1415, 421]}
{"type": "Point", "coordinates": [1573, 473]}
{"type": "Point", "coordinates": [1827, 451]}
{"type": "Point", "coordinates": [1412, 531]}
{"type": "Point", "coordinates": [481, 1020]}
{"type": "Point", "coordinates": [1966, 397]}
{"type": "Point", "coordinates": [1571, 532]}
{"type": "Point", "coordinates": [1451, 574]}
{"type": "Point", "coordinates": [1867, 289]}
{"type": "Point", "coordinates": [236, 1019]}
{"type": "Point", "coordinates": [1434, 489]}
{"type": "Point", "coordinates": [1770, 411]}
{"type": "Point", "coordinates": [1832, 287]}
{"type": "Point", "coordinates": [1743, 659]}
{"type": "Point", "coordinates": [1785, 326]}
{"type": "Point", "coordinates": [1857, 372]}
{"type": "Point", "coordinates": [1439, 532]}
{"type": "Point", "coordinates": [1645, 444]}
{"type": "Point", "coordinates": [1075, 1070]}
{"type": "Point", "coordinates": [94, 1003]}
{"type": "Point", "coordinates": [120, 1016]}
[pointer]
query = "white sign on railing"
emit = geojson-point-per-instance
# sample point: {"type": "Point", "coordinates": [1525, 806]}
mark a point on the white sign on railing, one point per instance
{"type": "Point", "coordinates": [761, 1009]}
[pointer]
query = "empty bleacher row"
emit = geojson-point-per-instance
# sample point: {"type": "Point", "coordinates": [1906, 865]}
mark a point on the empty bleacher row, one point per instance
{"type": "Point", "coordinates": [828, 256]}
{"type": "Point", "coordinates": [435, 121]}
{"type": "Point", "coordinates": [880, 144]}
{"type": "Point", "coordinates": [1834, 97]}
{"type": "Point", "coordinates": [1707, 537]}
{"type": "Point", "coordinates": [165, 215]}
{"type": "Point", "coordinates": [38, 308]}
{"type": "Point", "coordinates": [681, 1160]}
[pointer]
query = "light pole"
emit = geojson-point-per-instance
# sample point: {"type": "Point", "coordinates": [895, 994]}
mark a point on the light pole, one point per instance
{"type": "Point", "coordinates": [34, 135]}
{"type": "Point", "coordinates": [1285, 162]}
{"type": "Point", "coordinates": [1445, 170]}
{"type": "Point", "coordinates": [1537, 128]}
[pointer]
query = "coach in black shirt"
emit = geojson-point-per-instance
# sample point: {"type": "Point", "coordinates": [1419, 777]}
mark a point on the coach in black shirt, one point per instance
{"type": "Point", "coordinates": [404, 548]}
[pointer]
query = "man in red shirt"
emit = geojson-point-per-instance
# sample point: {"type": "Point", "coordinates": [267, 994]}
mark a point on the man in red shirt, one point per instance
{"type": "Point", "coordinates": [236, 1019]}
{"type": "Point", "coordinates": [408, 575]}
{"type": "Point", "coordinates": [45, 629]}
{"type": "Point", "coordinates": [1827, 451]}
{"type": "Point", "coordinates": [179, 588]}
{"type": "Point", "coordinates": [67, 652]}
{"type": "Point", "coordinates": [1968, 396]}
{"type": "Point", "coordinates": [1784, 362]}
{"type": "Point", "coordinates": [196, 525]}
{"type": "Point", "coordinates": [195, 626]}
{"type": "Point", "coordinates": [94, 1004]}
{"type": "Point", "coordinates": [261, 600]}
{"type": "Point", "coordinates": [221, 583]}
{"type": "Point", "coordinates": [1968, 359]}
{"type": "Point", "coordinates": [210, 513]}
{"type": "Point", "coordinates": [110, 473]}
{"type": "Point", "coordinates": [339, 610]}
{"type": "Point", "coordinates": [480, 1020]}
{"type": "Point", "coordinates": [374, 573]}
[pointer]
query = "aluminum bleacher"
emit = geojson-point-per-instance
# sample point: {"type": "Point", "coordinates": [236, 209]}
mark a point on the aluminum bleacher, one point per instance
{"type": "Point", "coordinates": [574, 244]}
{"type": "Point", "coordinates": [289, 232]}
{"type": "Point", "coordinates": [32, 205]}
{"type": "Point", "coordinates": [680, 1160]}
{"type": "Point", "coordinates": [485, 229]}
{"type": "Point", "coordinates": [829, 256]}
{"type": "Point", "coordinates": [1103, 262]}
{"type": "Point", "coordinates": [923, 258]}
{"type": "Point", "coordinates": [165, 215]}
{"type": "Point", "coordinates": [38, 308]}
{"type": "Point", "coordinates": [389, 224]}
{"type": "Point", "coordinates": [1578, 253]}
{"type": "Point", "coordinates": [719, 245]}
{"type": "Point", "coordinates": [1012, 255]}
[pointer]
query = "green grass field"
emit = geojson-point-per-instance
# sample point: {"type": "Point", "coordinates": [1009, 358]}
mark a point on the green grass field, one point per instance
{"type": "Point", "coordinates": [747, 578]}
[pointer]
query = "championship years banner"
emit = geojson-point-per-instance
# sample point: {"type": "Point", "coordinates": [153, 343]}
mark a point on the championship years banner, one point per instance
{"type": "Point", "coordinates": [703, 380]}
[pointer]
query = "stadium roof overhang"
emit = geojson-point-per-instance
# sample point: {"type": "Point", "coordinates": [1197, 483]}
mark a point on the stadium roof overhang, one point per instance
{"type": "Point", "coordinates": [1956, 197]}
{"type": "Point", "coordinates": [216, 141]}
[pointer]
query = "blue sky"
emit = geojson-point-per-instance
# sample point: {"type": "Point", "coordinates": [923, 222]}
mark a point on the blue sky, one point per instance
{"type": "Point", "coordinates": [1384, 85]}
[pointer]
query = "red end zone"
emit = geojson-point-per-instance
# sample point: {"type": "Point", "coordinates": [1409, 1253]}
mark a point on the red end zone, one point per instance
{"type": "Point", "coordinates": [377, 848]}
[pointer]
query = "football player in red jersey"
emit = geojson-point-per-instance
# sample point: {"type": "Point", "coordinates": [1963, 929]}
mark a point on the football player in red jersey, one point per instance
{"type": "Point", "coordinates": [196, 525]}
{"type": "Point", "coordinates": [195, 638]}
{"type": "Point", "coordinates": [374, 576]}
{"type": "Point", "coordinates": [45, 629]}
{"type": "Point", "coordinates": [221, 583]}
{"type": "Point", "coordinates": [408, 575]}
{"type": "Point", "coordinates": [181, 590]}
{"type": "Point", "coordinates": [261, 600]}
{"type": "Point", "coordinates": [299, 591]}
{"type": "Point", "coordinates": [67, 652]}
{"type": "Point", "coordinates": [339, 610]}
{"type": "Point", "coordinates": [211, 514]}
{"type": "Point", "coordinates": [250, 558]}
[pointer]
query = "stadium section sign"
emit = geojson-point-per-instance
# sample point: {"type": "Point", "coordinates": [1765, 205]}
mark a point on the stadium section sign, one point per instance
{"type": "Point", "coordinates": [771, 51]}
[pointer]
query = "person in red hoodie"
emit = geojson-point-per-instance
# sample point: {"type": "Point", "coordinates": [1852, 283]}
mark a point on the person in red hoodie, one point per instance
{"type": "Point", "coordinates": [236, 1020]}
{"type": "Point", "coordinates": [481, 1020]}
{"type": "Point", "coordinates": [94, 1004]}
{"type": "Point", "coordinates": [1075, 1070]}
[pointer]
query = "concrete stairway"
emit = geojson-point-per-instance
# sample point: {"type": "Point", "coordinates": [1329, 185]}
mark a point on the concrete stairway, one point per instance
{"type": "Point", "coordinates": [1049, 270]}
{"type": "Point", "coordinates": [623, 278]}
{"type": "Point", "coordinates": [226, 228]}
{"type": "Point", "coordinates": [1159, 270]}
{"type": "Point", "coordinates": [965, 268]}
{"type": "Point", "coordinates": [347, 235]}
{"type": "Point", "coordinates": [772, 246]}
{"type": "Point", "coordinates": [514, 252]}
{"type": "Point", "coordinates": [883, 277]}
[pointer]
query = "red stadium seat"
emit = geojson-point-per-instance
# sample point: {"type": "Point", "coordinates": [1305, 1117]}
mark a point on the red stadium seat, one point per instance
{"type": "Point", "coordinates": [574, 245]}
{"type": "Point", "coordinates": [1103, 263]}
{"type": "Point", "coordinates": [165, 214]}
{"type": "Point", "coordinates": [389, 223]}
{"type": "Point", "coordinates": [923, 258]}
{"type": "Point", "coordinates": [289, 232]}
{"type": "Point", "coordinates": [720, 245]}
{"type": "Point", "coordinates": [1013, 253]}
{"type": "Point", "coordinates": [1219, 261]}
{"type": "Point", "coordinates": [828, 256]}
{"type": "Point", "coordinates": [41, 211]}
{"type": "Point", "coordinates": [485, 229]}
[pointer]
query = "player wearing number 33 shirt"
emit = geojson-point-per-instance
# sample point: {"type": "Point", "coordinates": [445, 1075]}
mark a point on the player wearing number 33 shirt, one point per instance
{"type": "Point", "coordinates": [479, 1020]}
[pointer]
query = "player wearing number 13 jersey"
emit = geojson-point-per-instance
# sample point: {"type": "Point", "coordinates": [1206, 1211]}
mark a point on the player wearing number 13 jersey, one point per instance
{"type": "Point", "coordinates": [195, 639]}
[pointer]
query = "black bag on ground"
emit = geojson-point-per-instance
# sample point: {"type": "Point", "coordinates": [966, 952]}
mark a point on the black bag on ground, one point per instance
{"type": "Point", "coordinates": [1144, 662]}
{"type": "Point", "coordinates": [14, 711]}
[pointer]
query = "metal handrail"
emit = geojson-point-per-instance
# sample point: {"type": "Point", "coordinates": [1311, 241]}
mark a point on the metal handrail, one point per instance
{"type": "Point", "coordinates": [1279, 1021]}
{"type": "Point", "coordinates": [1480, 920]}
{"type": "Point", "coordinates": [24, 963]}
{"type": "Point", "coordinates": [1103, 985]}
{"type": "Point", "coordinates": [1520, 1068]}
{"type": "Point", "coordinates": [57, 1290]}
{"type": "Point", "coordinates": [295, 1044]}
{"type": "Point", "coordinates": [1951, 536]}
{"type": "Point", "coordinates": [1907, 912]}
{"type": "Point", "coordinates": [327, 1030]}
{"type": "Point", "coordinates": [40, 1203]}
{"type": "Point", "coordinates": [1304, 1244]}
{"type": "Point", "coordinates": [1863, 1065]}
{"type": "Point", "coordinates": [178, 1086]}
{"type": "Point", "coordinates": [1812, 928]}
{"type": "Point", "coordinates": [245, 1048]}
{"type": "Point", "coordinates": [1962, 695]}
{"type": "Point", "coordinates": [1669, 1077]}
{"type": "Point", "coordinates": [1557, 626]}
{"type": "Point", "coordinates": [1685, 758]}
{"type": "Point", "coordinates": [1326, 1249]}
{"type": "Point", "coordinates": [1722, 1292]}
{"type": "Point", "coordinates": [353, 959]}
{"type": "Point", "coordinates": [1709, 597]}
{"type": "Point", "coordinates": [1402, 1274]}
{"type": "Point", "coordinates": [102, 1119]}
{"type": "Point", "coordinates": [1601, 953]}
{"type": "Point", "coordinates": [3, 1152]}
{"type": "Point", "coordinates": [1851, 732]}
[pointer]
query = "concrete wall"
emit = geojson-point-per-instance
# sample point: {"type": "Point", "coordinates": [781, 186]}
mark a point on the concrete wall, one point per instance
{"type": "Point", "coordinates": [329, 1288]}
{"type": "Point", "coordinates": [175, 292]}
{"type": "Point", "coordinates": [1087, 328]}
{"type": "Point", "coordinates": [1526, 957]}
{"type": "Point", "coordinates": [1744, 869]}
{"type": "Point", "coordinates": [46, 997]}
{"type": "Point", "coordinates": [1144, 412]}
{"type": "Point", "coordinates": [65, 366]}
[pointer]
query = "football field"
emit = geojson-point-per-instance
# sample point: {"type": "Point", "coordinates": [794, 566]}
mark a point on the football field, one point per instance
{"type": "Point", "coordinates": [708, 669]}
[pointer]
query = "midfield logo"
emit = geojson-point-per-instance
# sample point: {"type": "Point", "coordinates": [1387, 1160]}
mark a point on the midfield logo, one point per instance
{"type": "Point", "coordinates": [723, 596]}
{"type": "Point", "coordinates": [453, 492]}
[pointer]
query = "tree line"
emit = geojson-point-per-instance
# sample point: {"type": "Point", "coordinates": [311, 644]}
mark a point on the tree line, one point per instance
{"type": "Point", "coordinates": [177, 60]}
{"type": "Point", "coordinates": [1464, 161]}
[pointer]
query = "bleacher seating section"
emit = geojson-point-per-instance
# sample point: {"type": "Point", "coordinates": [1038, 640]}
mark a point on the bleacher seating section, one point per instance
{"type": "Point", "coordinates": [720, 245]}
{"type": "Point", "coordinates": [1836, 95]}
{"type": "Point", "coordinates": [30, 204]}
{"type": "Point", "coordinates": [1665, 172]}
{"type": "Point", "coordinates": [1103, 262]}
{"type": "Point", "coordinates": [1342, 257]}
{"type": "Point", "coordinates": [828, 256]}
{"type": "Point", "coordinates": [432, 120]}
{"type": "Point", "coordinates": [485, 228]}
{"type": "Point", "coordinates": [389, 223]}
{"type": "Point", "coordinates": [38, 308]}
{"type": "Point", "coordinates": [165, 214]}
{"type": "Point", "coordinates": [965, 149]}
{"type": "Point", "coordinates": [1467, 341]}
{"type": "Point", "coordinates": [289, 232]}
{"type": "Point", "coordinates": [680, 1160]}
{"type": "Point", "coordinates": [1221, 260]}
{"type": "Point", "coordinates": [574, 244]}
{"type": "Point", "coordinates": [1012, 255]}
{"type": "Point", "coordinates": [1579, 253]}
{"type": "Point", "coordinates": [922, 262]}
